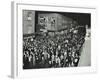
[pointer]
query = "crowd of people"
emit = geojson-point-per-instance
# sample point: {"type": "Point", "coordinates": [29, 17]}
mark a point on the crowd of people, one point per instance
{"type": "Point", "coordinates": [60, 50]}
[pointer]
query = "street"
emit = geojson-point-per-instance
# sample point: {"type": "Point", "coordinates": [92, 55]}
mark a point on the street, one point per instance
{"type": "Point", "coordinates": [85, 58]}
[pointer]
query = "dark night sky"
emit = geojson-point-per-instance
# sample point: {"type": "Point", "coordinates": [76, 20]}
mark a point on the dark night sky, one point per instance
{"type": "Point", "coordinates": [81, 18]}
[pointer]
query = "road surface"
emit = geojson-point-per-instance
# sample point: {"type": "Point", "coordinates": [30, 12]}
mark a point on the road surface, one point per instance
{"type": "Point", "coordinates": [85, 58]}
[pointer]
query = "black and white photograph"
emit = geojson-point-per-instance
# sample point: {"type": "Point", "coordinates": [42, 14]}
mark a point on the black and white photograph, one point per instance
{"type": "Point", "coordinates": [53, 39]}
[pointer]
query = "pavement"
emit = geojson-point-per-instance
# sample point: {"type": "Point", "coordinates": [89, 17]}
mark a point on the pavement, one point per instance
{"type": "Point", "coordinates": [85, 58]}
